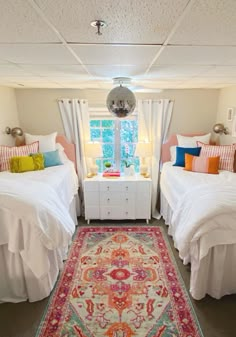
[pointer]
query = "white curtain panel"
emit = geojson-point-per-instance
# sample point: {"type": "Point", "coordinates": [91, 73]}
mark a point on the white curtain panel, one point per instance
{"type": "Point", "coordinates": [75, 119]}
{"type": "Point", "coordinates": [153, 124]}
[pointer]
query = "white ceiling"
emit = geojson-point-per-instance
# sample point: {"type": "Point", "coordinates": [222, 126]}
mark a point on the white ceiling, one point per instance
{"type": "Point", "coordinates": [159, 44]}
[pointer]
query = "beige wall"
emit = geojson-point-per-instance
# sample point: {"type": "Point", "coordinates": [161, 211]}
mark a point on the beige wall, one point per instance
{"type": "Point", "coordinates": [194, 109]}
{"type": "Point", "coordinates": [227, 99]}
{"type": "Point", "coordinates": [8, 114]}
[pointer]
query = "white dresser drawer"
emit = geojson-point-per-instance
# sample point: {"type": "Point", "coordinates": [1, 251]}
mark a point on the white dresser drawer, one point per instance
{"type": "Point", "coordinates": [111, 198]}
{"type": "Point", "coordinates": [107, 186]}
{"type": "Point", "coordinates": [92, 212]}
{"type": "Point", "coordinates": [91, 198]}
{"type": "Point", "coordinates": [115, 212]}
{"type": "Point", "coordinates": [90, 185]}
{"type": "Point", "coordinates": [128, 187]}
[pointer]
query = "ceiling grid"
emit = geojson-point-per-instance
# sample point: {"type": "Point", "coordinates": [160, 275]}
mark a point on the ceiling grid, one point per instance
{"type": "Point", "coordinates": [158, 44]}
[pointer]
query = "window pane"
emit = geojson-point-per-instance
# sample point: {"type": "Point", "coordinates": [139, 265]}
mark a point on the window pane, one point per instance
{"type": "Point", "coordinates": [94, 123]}
{"type": "Point", "coordinates": [95, 134]}
{"type": "Point", "coordinates": [107, 123]}
{"type": "Point", "coordinates": [108, 151]}
{"type": "Point", "coordinates": [108, 135]}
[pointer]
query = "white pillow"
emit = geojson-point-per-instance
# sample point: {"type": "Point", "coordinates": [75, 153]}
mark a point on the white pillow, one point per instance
{"type": "Point", "coordinates": [46, 143]}
{"type": "Point", "coordinates": [62, 154]}
{"type": "Point", "coordinates": [184, 141]}
{"type": "Point", "coordinates": [173, 153]}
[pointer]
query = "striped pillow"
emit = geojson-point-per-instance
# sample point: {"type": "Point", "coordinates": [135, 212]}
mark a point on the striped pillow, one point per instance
{"type": "Point", "coordinates": [202, 164]}
{"type": "Point", "coordinates": [6, 152]}
{"type": "Point", "coordinates": [226, 153]}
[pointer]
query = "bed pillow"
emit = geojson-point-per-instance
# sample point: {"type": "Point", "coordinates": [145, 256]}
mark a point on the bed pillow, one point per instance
{"type": "Point", "coordinates": [33, 162]}
{"type": "Point", "coordinates": [52, 158]}
{"type": "Point", "coordinates": [173, 153]}
{"type": "Point", "coordinates": [7, 152]}
{"type": "Point", "coordinates": [202, 164]}
{"type": "Point", "coordinates": [46, 143]}
{"type": "Point", "coordinates": [184, 141]}
{"type": "Point", "coordinates": [62, 154]}
{"type": "Point", "coordinates": [180, 154]}
{"type": "Point", "coordinates": [21, 164]}
{"type": "Point", "coordinates": [38, 159]}
{"type": "Point", "coordinates": [226, 153]}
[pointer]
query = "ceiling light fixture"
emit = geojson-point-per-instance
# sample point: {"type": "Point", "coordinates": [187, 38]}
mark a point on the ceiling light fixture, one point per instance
{"type": "Point", "coordinates": [98, 24]}
{"type": "Point", "coordinates": [121, 101]}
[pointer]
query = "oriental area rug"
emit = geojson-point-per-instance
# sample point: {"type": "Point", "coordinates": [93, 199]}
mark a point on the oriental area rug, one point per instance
{"type": "Point", "coordinates": [119, 282]}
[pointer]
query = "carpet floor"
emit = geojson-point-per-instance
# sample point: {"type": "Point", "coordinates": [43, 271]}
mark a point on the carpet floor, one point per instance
{"type": "Point", "coordinates": [216, 317]}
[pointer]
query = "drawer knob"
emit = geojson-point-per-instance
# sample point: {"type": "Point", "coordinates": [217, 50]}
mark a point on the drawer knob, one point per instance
{"type": "Point", "coordinates": [127, 199]}
{"type": "Point", "coordinates": [108, 187]}
{"type": "Point", "coordinates": [108, 199]}
{"type": "Point", "coordinates": [108, 212]}
{"type": "Point", "coordinates": [127, 188]}
{"type": "Point", "coordinates": [126, 213]}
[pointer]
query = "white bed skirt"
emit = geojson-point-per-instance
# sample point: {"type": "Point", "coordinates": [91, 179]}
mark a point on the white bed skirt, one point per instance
{"type": "Point", "coordinates": [19, 283]}
{"type": "Point", "coordinates": [214, 274]}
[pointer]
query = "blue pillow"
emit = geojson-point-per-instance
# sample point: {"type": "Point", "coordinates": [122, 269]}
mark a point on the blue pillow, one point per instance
{"type": "Point", "coordinates": [51, 158]}
{"type": "Point", "coordinates": [180, 154]}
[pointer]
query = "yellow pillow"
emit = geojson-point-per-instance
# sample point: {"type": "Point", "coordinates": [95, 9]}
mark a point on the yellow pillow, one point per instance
{"type": "Point", "coordinates": [21, 164]}
{"type": "Point", "coordinates": [27, 163]}
{"type": "Point", "coordinates": [38, 159]}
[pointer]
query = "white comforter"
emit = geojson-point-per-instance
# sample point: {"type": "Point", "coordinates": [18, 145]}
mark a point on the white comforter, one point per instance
{"type": "Point", "coordinates": [204, 208]}
{"type": "Point", "coordinates": [34, 214]}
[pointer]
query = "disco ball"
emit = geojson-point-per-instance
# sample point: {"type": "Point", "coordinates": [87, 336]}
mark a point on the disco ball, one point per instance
{"type": "Point", "coordinates": [121, 102]}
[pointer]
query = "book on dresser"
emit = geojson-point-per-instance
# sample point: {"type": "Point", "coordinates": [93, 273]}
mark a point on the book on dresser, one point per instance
{"type": "Point", "coordinates": [116, 199]}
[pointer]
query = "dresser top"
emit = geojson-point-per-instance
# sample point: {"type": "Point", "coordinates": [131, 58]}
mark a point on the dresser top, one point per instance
{"type": "Point", "coordinates": [136, 177]}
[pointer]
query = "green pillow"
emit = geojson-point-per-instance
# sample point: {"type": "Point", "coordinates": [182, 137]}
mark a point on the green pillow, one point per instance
{"type": "Point", "coordinates": [27, 163]}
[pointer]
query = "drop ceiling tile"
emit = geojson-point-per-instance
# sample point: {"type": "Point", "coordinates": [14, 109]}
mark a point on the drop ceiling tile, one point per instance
{"type": "Point", "coordinates": [115, 71]}
{"type": "Point", "coordinates": [210, 22]}
{"type": "Point", "coordinates": [71, 71]}
{"type": "Point", "coordinates": [115, 55]}
{"type": "Point", "coordinates": [176, 71]}
{"type": "Point", "coordinates": [36, 54]}
{"type": "Point", "coordinates": [221, 71]}
{"type": "Point", "coordinates": [20, 23]}
{"type": "Point", "coordinates": [141, 21]}
{"type": "Point", "coordinates": [201, 55]}
{"type": "Point", "coordinates": [13, 70]}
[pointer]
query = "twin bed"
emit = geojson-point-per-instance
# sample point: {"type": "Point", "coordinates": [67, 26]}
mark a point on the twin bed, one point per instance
{"type": "Point", "coordinates": [200, 210]}
{"type": "Point", "coordinates": [38, 214]}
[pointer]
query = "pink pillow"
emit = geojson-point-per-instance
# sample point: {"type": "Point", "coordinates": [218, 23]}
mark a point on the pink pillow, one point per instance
{"type": "Point", "coordinates": [6, 152]}
{"type": "Point", "coordinates": [226, 153]}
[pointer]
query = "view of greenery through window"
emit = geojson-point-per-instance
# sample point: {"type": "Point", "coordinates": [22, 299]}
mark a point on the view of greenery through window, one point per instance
{"type": "Point", "coordinates": [118, 139]}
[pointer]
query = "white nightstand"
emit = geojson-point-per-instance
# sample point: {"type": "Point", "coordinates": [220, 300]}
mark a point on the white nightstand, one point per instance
{"type": "Point", "coordinates": [118, 198]}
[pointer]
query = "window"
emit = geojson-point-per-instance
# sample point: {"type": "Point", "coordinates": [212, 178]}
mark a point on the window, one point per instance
{"type": "Point", "coordinates": [118, 138]}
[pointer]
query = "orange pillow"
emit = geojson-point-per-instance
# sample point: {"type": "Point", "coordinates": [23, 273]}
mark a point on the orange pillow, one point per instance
{"type": "Point", "coordinates": [202, 164]}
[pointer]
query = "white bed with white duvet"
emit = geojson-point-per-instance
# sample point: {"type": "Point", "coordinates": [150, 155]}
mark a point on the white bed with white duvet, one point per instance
{"type": "Point", "coordinates": [37, 221]}
{"type": "Point", "coordinates": [200, 210]}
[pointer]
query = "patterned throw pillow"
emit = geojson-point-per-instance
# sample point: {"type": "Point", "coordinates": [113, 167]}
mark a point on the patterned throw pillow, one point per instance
{"type": "Point", "coordinates": [202, 164]}
{"type": "Point", "coordinates": [7, 152]}
{"type": "Point", "coordinates": [226, 153]}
